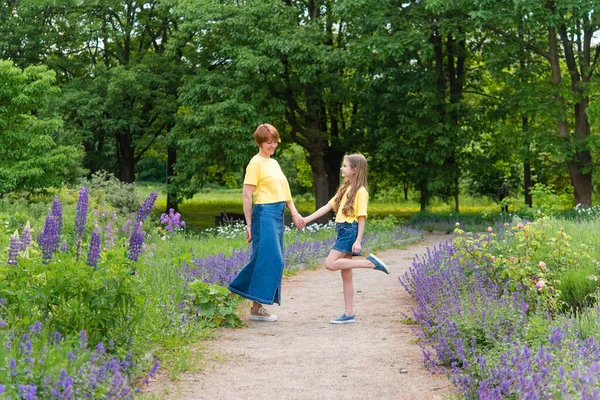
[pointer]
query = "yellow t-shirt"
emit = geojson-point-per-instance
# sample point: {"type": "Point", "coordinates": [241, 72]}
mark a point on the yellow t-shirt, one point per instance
{"type": "Point", "coordinates": [360, 206]}
{"type": "Point", "coordinates": [271, 184]}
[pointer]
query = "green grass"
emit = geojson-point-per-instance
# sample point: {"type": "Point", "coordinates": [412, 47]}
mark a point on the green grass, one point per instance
{"type": "Point", "coordinates": [200, 211]}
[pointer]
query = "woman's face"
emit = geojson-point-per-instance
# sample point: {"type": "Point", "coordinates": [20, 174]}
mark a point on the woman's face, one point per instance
{"type": "Point", "coordinates": [268, 148]}
{"type": "Point", "coordinates": [347, 170]}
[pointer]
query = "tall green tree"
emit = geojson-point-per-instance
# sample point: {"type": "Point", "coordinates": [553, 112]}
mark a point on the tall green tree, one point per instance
{"type": "Point", "coordinates": [294, 64]}
{"type": "Point", "coordinates": [568, 50]}
{"type": "Point", "coordinates": [36, 150]}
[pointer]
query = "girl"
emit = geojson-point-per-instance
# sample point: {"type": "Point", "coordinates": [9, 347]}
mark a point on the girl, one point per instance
{"type": "Point", "coordinates": [350, 206]}
{"type": "Point", "coordinates": [260, 279]}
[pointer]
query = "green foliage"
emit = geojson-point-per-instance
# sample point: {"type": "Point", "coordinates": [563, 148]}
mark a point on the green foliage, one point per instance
{"type": "Point", "coordinates": [71, 296]}
{"type": "Point", "coordinates": [214, 305]}
{"type": "Point", "coordinates": [37, 151]}
{"type": "Point", "coordinates": [118, 194]}
{"type": "Point", "coordinates": [528, 256]}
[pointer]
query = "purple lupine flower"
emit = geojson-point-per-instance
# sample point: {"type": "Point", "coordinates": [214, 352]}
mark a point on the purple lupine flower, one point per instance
{"type": "Point", "coordinates": [81, 215]}
{"type": "Point", "coordinates": [47, 238]}
{"type": "Point", "coordinates": [2, 389]}
{"type": "Point", "coordinates": [64, 246]}
{"type": "Point", "coordinates": [25, 237]}
{"type": "Point", "coordinates": [94, 251]}
{"type": "Point", "coordinates": [57, 337]}
{"type": "Point", "coordinates": [3, 323]}
{"type": "Point", "coordinates": [83, 339]}
{"type": "Point", "coordinates": [146, 207]}
{"type": "Point", "coordinates": [135, 243]}
{"type": "Point", "coordinates": [57, 212]}
{"type": "Point", "coordinates": [15, 246]}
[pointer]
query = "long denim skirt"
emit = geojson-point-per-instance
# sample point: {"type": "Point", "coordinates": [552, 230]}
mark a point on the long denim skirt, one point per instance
{"type": "Point", "coordinates": [260, 279]}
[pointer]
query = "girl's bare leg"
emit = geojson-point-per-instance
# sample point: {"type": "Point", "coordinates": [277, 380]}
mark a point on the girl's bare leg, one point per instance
{"type": "Point", "coordinates": [337, 261]}
{"type": "Point", "coordinates": [348, 289]}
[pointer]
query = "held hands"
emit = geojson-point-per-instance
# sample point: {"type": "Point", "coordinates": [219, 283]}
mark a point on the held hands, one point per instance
{"type": "Point", "coordinates": [356, 247]}
{"type": "Point", "coordinates": [298, 221]}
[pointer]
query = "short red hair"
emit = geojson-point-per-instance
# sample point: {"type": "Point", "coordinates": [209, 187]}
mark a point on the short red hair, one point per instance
{"type": "Point", "coordinates": [266, 132]}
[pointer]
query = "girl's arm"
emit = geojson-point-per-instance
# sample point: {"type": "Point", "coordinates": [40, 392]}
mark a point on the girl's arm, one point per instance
{"type": "Point", "coordinates": [298, 220]}
{"type": "Point", "coordinates": [319, 213]}
{"type": "Point", "coordinates": [247, 197]}
{"type": "Point", "coordinates": [357, 246]}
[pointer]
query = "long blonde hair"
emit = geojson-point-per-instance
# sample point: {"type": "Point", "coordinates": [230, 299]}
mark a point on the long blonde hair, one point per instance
{"type": "Point", "coordinates": [358, 163]}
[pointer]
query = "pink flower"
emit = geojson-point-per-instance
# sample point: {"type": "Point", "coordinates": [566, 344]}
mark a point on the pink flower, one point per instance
{"type": "Point", "coordinates": [542, 265]}
{"type": "Point", "coordinates": [540, 284]}
{"type": "Point", "coordinates": [506, 224]}
{"type": "Point", "coordinates": [489, 228]}
{"type": "Point", "coordinates": [493, 258]}
{"type": "Point", "coordinates": [519, 225]}
{"type": "Point", "coordinates": [512, 259]}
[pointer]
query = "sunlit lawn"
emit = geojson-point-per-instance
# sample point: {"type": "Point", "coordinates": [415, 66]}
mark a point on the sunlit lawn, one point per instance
{"type": "Point", "coordinates": [200, 211]}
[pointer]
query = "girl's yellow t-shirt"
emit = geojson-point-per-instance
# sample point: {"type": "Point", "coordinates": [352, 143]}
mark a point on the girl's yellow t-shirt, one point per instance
{"type": "Point", "coordinates": [360, 206]}
{"type": "Point", "coordinates": [271, 184]}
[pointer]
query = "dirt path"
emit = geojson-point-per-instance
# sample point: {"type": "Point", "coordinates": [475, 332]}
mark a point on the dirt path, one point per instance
{"type": "Point", "coordinates": [303, 356]}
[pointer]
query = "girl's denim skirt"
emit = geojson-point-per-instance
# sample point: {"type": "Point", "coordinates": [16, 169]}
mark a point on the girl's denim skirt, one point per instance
{"type": "Point", "coordinates": [346, 236]}
{"type": "Point", "coordinates": [260, 279]}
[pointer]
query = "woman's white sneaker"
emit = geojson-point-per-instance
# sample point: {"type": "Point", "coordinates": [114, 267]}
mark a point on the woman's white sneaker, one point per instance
{"type": "Point", "coordinates": [262, 315]}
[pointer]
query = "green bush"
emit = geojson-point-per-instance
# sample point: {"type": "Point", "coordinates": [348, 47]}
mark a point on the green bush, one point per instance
{"type": "Point", "coordinates": [214, 305]}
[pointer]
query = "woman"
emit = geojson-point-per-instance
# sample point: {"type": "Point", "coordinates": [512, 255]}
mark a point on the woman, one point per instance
{"type": "Point", "coordinates": [260, 279]}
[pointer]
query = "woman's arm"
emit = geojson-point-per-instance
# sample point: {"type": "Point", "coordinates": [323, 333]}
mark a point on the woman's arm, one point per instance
{"type": "Point", "coordinates": [357, 246]}
{"type": "Point", "coordinates": [247, 198]}
{"type": "Point", "coordinates": [298, 220]}
{"type": "Point", "coordinates": [319, 213]}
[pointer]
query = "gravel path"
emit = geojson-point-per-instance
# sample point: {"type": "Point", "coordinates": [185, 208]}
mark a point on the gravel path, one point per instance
{"type": "Point", "coordinates": [303, 356]}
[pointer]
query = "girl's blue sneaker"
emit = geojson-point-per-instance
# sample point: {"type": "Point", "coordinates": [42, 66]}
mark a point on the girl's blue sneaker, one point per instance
{"type": "Point", "coordinates": [344, 319]}
{"type": "Point", "coordinates": [379, 265]}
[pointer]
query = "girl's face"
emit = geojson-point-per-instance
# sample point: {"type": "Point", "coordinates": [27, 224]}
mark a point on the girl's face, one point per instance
{"type": "Point", "coordinates": [347, 170]}
{"type": "Point", "coordinates": [267, 149]}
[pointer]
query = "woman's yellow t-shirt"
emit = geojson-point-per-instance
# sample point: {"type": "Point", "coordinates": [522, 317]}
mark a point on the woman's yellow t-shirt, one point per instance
{"type": "Point", "coordinates": [271, 184]}
{"type": "Point", "coordinates": [360, 206]}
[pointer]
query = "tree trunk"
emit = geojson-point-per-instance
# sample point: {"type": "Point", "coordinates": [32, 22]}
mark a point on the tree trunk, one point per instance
{"type": "Point", "coordinates": [126, 157]}
{"type": "Point", "coordinates": [320, 181]}
{"type": "Point", "coordinates": [171, 160]}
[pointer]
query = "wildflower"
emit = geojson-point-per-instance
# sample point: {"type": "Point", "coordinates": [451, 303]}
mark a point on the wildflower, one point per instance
{"type": "Point", "coordinates": [172, 221]}
{"type": "Point", "coordinates": [25, 237]}
{"type": "Point", "coordinates": [489, 229]}
{"type": "Point", "coordinates": [94, 251]}
{"type": "Point", "coordinates": [519, 225]}
{"type": "Point", "coordinates": [83, 339]}
{"type": "Point", "coordinates": [457, 224]}
{"type": "Point", "coordinates": [28, 392]}
{"type": "Point", "coordinates": [47, 237]}
{"type": "Point", "coordinates": [57, 212]}
{"type": "Point", "coordinates": [146, 207]}
{"type": "Point", "coordinates": [13, 252]}
{"type": "Point", "coordinates": [135, 243]}
{"type": "Point", "coordinates": [506, 224]}
{"type": "Point", "coordinates": [36, 328]}
{"type": "Point", "coordinates": [81, 215]}
{"type": "Point", "coordinates": [493, 258]}
{"type": "Point", "coordinates": [3, 323]}
{"type": "Point", "coordinates": [540, 284]}
{"type": "Point", "coordinates": [542, 265]}
{"type": "Point", "coordinates": [512, 259]}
